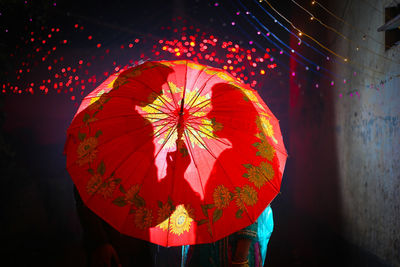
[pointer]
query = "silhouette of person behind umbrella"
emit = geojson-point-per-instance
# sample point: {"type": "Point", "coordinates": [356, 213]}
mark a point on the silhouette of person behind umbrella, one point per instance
{"type": "Point", "coordinates": [235, 125]}
{"type": "Point", "coordinates": [105, 245]}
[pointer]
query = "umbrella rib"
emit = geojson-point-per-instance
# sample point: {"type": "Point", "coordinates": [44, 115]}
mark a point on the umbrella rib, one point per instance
{"type": "Point", "coordinates": [195, 121]}
{"type": "Point", "coordinates": [232, 184]}
{"type": "Point", "coordinates": [204, 85]}
{"type": "Point", "coordinates": [156, 107]}
{"type": "Point", "coordinates": [156, 113]}
{"type": "Point", "coordinates": [172, 95]}
{"type": "Point", "coordinates": [201, 142]}
{"type": "Point", "coordinates": [155, 156]}
{"type": "Point", "coordinates": [118, 165]}
{"type": "Point", "coordinates": [167, 104]}
{"type": "Point", "coordinates": [193, 100]}
{"type": "Point", "coordinates": [127, 133]}
{"type": "Point", "coordinates": [207, 102]}
{"type": "Point", "coordinates": [141, 183]}
{"type": "Point", "coordinates": [157, 119]}
{"type": "Point", "coordinates": [197, 169]}
{"type": "Point", "coordinates": [113, 117]}
{"type": "Point", "coordinates": [195, 81]}
{"type": "Point", "coordinates": [198, 104]}
{"type": "Point", "coordinates": [130, 154]}
{"type": "Point", "coordinates": [222, 169]}
{"type": "Point", "coordinates": [212, 137]}
{"type": "Point", "coordinates": [158, 132]}
{"type": "Point", "coordinates": [104, 119]}
{"type": "Point", "coordinates": [184, 88]}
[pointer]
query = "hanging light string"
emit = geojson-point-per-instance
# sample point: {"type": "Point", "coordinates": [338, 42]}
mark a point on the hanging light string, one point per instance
{"type": "Point", "coordinates": [313, 17]}
{"type": "Point", "coordinates": [303, 33]}
{"type": "Point", "coordinates": [281, 64]}
{"type": "Point", "coordinates": [300, 40]}
{"type": "Point", "coordinates": [348, 24]}
{"type": "Point", "coordinates": [370, 85]}
{"type": "Point", "coordinates": [345, 59]}
{"type": "Point", "coordinates": [351, 66]}
{"type": "Point", "coordinates": [345, 81]}
{"type": "Point", "coordinates": [283, 43]}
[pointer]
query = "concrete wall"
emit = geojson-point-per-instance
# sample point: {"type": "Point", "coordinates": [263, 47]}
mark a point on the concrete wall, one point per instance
{"type": "Point", "coordinates": [367, 130]}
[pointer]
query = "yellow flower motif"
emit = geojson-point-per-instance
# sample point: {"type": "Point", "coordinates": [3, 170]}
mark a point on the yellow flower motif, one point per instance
{"type": "Point", "coordinates": [225, 77]}
{"type": "Point", "coordinates": [87, 150]}
{"type": "Point", "coordinates": [202, 127]}
{"type": "Point", "coordinates": [246, 195]}
{"type": "Point", "coordinates": [259, 175]}
{"type": "Point", "coordinates": [97, 102]}
{"type": "Point", "coordinates": [255, 176]}
{"type": "Point", "coordinates": [265, 127]}
{"type": "Point", "coordinates": [183, 62]}
{"type": "Point", "coordinates": [143, 218]}
{"type": "Point", "coordinates": [181, 219]}
{"type": "Point", "coordinates": [163, 216]}
{"type": "Point", "coordinates": [221, 197]}
{"type": "Point", "coordinates": [268, 170]}
{"type": "Point", "coordinates": [196, 101]}
{"type": "Point", "coordinates": [93, 184]}
{"type": "Point", "coordinates": [195, 66]}
{"type": "Point", "coordinates": [121, 80]}
{"type": "Point", "coordinates": [266, 150]}
{"type": "Point", "coordinates": [168, 64]}
{"type": "Point", "coordinates": [107, 189]}
{"type": "Point", "coordinates": [206, 128]}
{"type": "Point", "coordinates": [174, 89]}
{"type": "Point", "coordinates": [134, 73]}
{"type": "Point", "coordinates": [131, 193]}
{"type": "Point", "coordinates": [95, 99]}
{"type": "Point", "coordinates": [156, 102]}
{"type": "Point", "coordinates": [217, 126]}
{"type": "Point", "coordinates": [248, 94]}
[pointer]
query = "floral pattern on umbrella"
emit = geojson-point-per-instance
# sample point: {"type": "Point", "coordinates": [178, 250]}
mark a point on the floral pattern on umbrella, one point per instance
{"type": "Point", "coordinates": [175, 153]}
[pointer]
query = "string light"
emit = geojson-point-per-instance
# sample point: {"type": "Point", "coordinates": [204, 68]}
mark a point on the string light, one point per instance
{"type": "Point", "coordinates": [280, 41]}
{"type": "Point", "coordinates": [349, 24]}
{"type": "Point", "coordinates": [315, 49]}
{"type": "Point", "coordinates": [319, 43]}
{"type": "Point", "coordinates": [327, 57]}
{"type": "Point", "coordinates": [308, 45]}
{"type": "Point", "coordinates": [340, 34]}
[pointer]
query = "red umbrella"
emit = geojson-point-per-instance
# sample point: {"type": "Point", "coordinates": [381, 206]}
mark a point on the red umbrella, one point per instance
{"type": "Point", "coordinates": [175, 153]}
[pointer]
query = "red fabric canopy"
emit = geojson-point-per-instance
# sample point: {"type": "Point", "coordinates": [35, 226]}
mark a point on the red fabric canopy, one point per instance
{"type": "Point", "coordinates": [175, 153]}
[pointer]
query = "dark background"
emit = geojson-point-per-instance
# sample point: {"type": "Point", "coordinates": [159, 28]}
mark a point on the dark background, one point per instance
{"type": "Point", "coordinates": [39, 225]}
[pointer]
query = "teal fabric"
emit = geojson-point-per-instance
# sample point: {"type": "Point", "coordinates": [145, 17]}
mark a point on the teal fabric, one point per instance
{"type": "Point", "coordinates": [219, 253]}
{"type": "Point", "coordinates": [265, 227]}
{"type": "Point", "coordinates": [185, 250]}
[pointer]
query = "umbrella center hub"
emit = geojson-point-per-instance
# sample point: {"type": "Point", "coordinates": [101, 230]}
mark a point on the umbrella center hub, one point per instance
{"type": "Point", "coordinates": [182, 116]}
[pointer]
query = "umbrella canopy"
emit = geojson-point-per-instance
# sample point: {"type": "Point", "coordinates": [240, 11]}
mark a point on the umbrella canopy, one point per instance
{"type": "Point", "coordinates": [175, 153]}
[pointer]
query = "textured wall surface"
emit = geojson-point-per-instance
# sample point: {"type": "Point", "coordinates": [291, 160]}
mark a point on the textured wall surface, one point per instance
{"type": "Point", "coordinates": [367, 130]}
